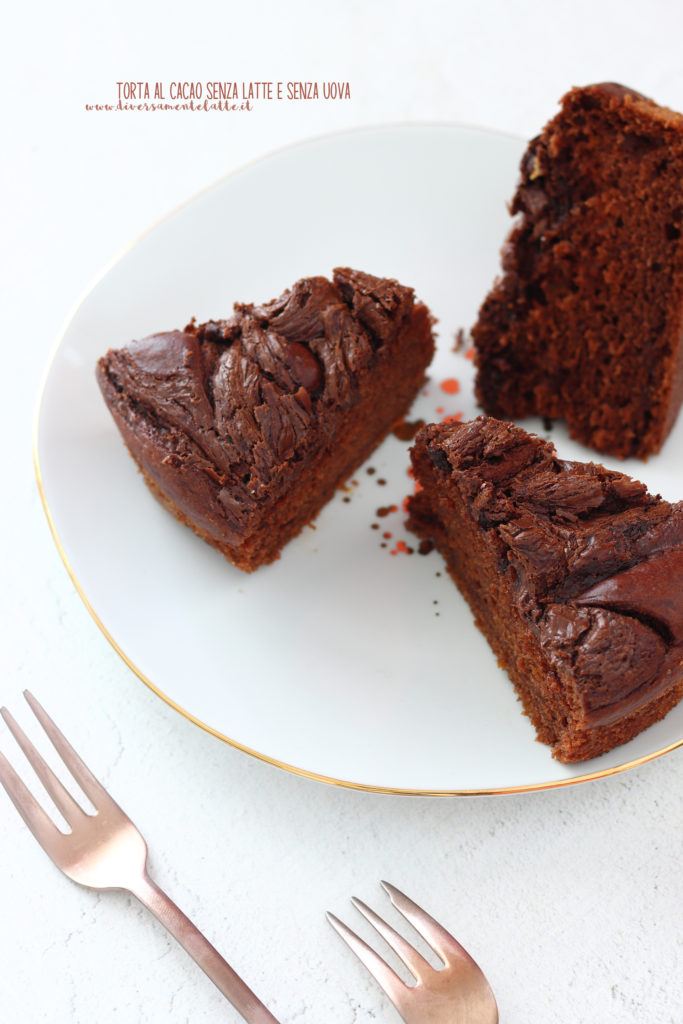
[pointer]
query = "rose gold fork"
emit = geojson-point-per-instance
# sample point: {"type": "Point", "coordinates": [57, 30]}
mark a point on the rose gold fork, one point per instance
{"type": "Point", "coordinates": [458, 993]}
{"type": "Point", "coordinates": [105, 851]}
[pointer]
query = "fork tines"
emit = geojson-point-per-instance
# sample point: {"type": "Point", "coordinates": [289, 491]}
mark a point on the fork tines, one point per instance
{"type": "Point", "coordinates": [457, 992]}
{"type": "Point", "coordinates": [33, 814]}
{"type": "Point", "coordinates": [434, 934]}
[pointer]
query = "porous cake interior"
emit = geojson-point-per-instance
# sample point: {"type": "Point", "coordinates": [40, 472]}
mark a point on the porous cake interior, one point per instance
{"type": "Point", "coordinates": [586, 321]}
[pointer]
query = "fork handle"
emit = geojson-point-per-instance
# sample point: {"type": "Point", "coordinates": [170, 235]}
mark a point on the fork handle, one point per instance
{"type": "Point", "coordinates": [202, 952]}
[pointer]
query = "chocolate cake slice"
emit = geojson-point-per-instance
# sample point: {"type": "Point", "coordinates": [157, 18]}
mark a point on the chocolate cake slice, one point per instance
{"type": "Point", "coordinates": [573, 574]}
{"type": "Point", "coordinates": [586, 321]}
{"type": "Point", "coordinates": [245, 427]}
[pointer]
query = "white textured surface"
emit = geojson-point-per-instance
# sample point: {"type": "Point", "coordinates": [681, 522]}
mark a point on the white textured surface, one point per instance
{"type": "Point", "coordinates": [571, 900]}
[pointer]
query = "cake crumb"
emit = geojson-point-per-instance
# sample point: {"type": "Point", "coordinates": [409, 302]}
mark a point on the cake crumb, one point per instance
{"type": "Point", "coordinates": [405, 430]}
{"type": "Point", "coordinates": [401, 546]}
{"type": "Point", "coordinates": [461, 338]}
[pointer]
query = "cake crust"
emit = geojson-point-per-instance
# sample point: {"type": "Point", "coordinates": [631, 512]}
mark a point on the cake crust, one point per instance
{"type": "Point", "coordinates": [572, 572]}
{"type": "Point", "coordinates": [586, 320]}
{"type": "Point", "coordinates": [245, 427]}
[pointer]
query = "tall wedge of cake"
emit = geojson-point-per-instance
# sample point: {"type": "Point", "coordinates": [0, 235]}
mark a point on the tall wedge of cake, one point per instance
{"type": "Point", "coordinates": [573, 574]}
{"type": "Point", "coordinates": [586, 320]}
{"type": "Point", "coordinates": [245, 427]}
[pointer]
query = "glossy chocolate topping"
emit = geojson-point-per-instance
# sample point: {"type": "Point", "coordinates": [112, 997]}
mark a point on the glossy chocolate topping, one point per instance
{"type": "Point", "coordinates": [618, 92]}
{"type": "Point", "coordinates": [649, 590]}
{"type": "Point", "coordinates": [237, 399]}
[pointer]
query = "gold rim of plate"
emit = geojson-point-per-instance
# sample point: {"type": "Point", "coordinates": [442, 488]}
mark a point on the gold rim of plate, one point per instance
{"type": "Point", "coordinates": [292, 769]}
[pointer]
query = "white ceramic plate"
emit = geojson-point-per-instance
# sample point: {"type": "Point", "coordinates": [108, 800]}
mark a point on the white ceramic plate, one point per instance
{"type": "Point", "coordinates": [347, 660]}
